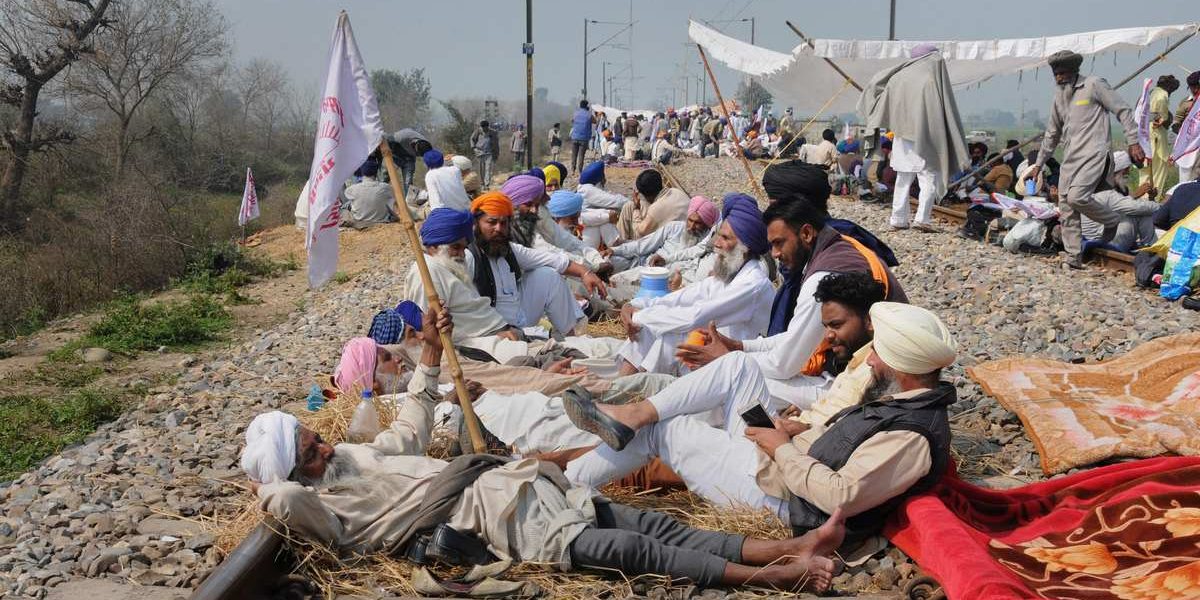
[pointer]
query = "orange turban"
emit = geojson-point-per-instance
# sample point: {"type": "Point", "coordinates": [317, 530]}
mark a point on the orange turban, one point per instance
{"type": "Point", "coordinates": [493, 203]}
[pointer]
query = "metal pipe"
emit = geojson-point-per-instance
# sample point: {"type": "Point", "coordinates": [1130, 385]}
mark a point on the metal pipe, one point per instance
{"type": "Point", "coordinates": [892, 23]}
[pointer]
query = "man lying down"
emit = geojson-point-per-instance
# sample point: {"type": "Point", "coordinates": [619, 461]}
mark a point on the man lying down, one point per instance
{"type": "Point", "coordinates": [376, 497]}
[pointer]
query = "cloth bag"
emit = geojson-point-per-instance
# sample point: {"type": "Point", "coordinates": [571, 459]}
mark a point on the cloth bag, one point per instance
{"type": "Point", "coordinates": [1180, 274]}
{"type": "Point", "coordinates": [1029, 231]}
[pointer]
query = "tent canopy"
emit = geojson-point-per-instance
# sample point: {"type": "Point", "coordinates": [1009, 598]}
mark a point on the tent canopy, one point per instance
{"type": "Point", "coordinates": [803, 79]}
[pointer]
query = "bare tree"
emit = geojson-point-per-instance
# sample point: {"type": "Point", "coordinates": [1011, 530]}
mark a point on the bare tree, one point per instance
{"type": "Point", "coordinates": [149, 44]}
{"type": "Point", "coordinates": [38, 39]}
{"type": "Point", "coordinates": [261, 85]}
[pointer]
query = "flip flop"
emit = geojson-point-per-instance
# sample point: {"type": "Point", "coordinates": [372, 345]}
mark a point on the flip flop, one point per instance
{"type": "Point", "coordinates": [582, 411]}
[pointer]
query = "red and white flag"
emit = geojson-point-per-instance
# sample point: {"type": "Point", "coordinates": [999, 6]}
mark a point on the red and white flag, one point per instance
{"type": "Point", "coordinates": [249, 210]}
{"type": "Point", "coordinates": [348, 129]}
{"type": "Point", "coordinates": [1141, 115]}
{"type": "Point", "coordinates": [1187, 143]}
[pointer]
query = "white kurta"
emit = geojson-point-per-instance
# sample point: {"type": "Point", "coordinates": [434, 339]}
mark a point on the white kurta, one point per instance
{"type": "Point", "coordinates": [542, 290]}
{"type": "Point", "coordinates": [597, 228]}
{"type": "Point", "coordinates": [558, 237]}
{"type": "Point", "coordinates": [445, 187]}
{"type": "Point", "coordinates": [741, 309]}
{"type": "Point", "coordinates": [473, 314]}
{"type": "Point", "coordinates": [598, 197]}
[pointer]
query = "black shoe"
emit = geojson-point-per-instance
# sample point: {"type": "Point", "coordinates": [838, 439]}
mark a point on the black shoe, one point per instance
{"type": "Point", "coordinates": [582, 411]}
{"type": "Point", "coordinates": [1074, 262]}
{"type": "Point", "coordinates": [1192, 303]}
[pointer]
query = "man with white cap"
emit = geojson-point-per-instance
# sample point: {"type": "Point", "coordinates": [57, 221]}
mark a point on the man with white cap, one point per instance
{"type": "Point", "coordinates": [387, 496]}
{"type": "Point", "coordinates": [865, 460]}
{"type": "Point", "coordinates": [1136, 227]}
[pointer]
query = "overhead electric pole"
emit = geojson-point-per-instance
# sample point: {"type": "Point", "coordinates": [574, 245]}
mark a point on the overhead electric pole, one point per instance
{"type": "Point", "coordinates": [528, 50]}
{"type": "Point", "coordinates": [892, 22]}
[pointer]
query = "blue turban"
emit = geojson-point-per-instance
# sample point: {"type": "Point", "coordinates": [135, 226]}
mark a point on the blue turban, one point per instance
{"type": "Point", "coordinates": [446, 225]}
{"type": "Point", "coordinates": [433, 159]}
{"type": "Point", "coordinates": [564, 203]}
{"type": "Point", "coordinates": [742, 214]}
{"type": "Point", "coordinates": [593, 173]}
{"type": "Point", "coordinates": [411, 313]}
{"type": "Point", "coordinates": [387, 327]}
{"type": "Point", "coordinates": [537, 172]}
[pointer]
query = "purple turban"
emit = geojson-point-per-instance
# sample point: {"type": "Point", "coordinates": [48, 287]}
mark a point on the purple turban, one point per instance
{"type": "Point", "coordinates": [523, 189]}
{"type": "Point", "coordinates": [593, 173]}
{"type": "Point", "coordinates": [446, 226]}
{"type": "Point", "coordinates": [922, 49]}
{"type": "Point", "coordinates": [433, 159]}
{"type": "Point", "coordinates": [742, 214]}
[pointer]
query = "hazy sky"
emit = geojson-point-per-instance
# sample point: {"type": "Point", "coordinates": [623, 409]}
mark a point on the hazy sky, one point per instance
{"type": "Point", "coordinates": [472, 48]}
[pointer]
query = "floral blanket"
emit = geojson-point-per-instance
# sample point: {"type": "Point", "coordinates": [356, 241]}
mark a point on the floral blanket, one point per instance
{"type": "Point", "coordinates": [1142, 404]}
{"type": "Point", "coordinates": [1129, 531]}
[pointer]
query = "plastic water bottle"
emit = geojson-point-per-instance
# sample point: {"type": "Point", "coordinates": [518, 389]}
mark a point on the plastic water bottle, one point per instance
{"type": "Point", "coordinates": [1030, 187]}
{"type": "Point", "coordinates": [315, 398]}
{"type": "Point", "coordinates": [364, 426]}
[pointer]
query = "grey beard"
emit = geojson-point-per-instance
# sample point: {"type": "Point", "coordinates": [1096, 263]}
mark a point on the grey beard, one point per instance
{"type": "Point", "coordinates": [881, 389]}
{"type": "Point", "coordinates": [729, 263]}
{"type": "Point", "coordinates": [457, 267]}
{"type": "Point", "coordinates": [393, 384]}
{"type": "Point", "coordinates": [340, 469]}
{"type": "Point", "coordinates": [688, 238]}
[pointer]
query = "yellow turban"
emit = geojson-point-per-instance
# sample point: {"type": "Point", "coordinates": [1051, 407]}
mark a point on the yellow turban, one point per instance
{"type": "Point", "coordinates": [911, 339]}
{"type": "Point", "coordinates": [552, 175]}
{"type": "Point", "coordinates": [493, 203]}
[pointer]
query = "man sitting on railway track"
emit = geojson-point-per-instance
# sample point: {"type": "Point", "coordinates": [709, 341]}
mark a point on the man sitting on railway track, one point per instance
{"type": "Point", "coordinates": [387, 496]}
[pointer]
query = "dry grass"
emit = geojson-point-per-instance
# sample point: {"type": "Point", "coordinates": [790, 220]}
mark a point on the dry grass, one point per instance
{"type": "Point", "coordinates": [379, 573]}
{"type": "Point", "coordinates": [607, 328]}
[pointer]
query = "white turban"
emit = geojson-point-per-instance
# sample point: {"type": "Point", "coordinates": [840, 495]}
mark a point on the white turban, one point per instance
{"type": "Point", "coordinates": [463, 163]}
{"type": "Point", "coordinates": [270, 453]}
{"type": "Point", "coordinates": [911, 339]}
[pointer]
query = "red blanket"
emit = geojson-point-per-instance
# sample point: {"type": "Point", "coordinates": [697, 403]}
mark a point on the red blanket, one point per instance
{"type": "Point", "coordinates": [1129, 531]}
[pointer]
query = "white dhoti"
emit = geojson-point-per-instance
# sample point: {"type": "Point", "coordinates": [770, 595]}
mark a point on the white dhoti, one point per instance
{"type": "Point", "coordinates": [654, 354]}
{"type": "Point", "coordinates": [728, 386]}
{"type": "Point", "coordinates": [545, 293]}
{"type": "Point", "coordinates": [718, 465]}
{"type": "Point", "coordinates": [594, 235]}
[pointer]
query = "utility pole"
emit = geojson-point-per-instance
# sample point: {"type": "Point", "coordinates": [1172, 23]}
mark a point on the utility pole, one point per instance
{"type": "Point", "coordinates": [604, 83]}
{"type": "Point", "coordinates": [528, 50]}
{"type": "Point", "coordinates": [892, 22]}
{"type": "Point", "coordinates": [752, 28]}
{"type": "Point", "coordinates": [585, 53]}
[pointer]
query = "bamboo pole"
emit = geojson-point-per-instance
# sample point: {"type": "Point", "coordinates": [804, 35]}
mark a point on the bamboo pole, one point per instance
{"type": "Point", "coordinates": [987, 164]}
{"type": "Point", "coordinates": [827, 61]}
{"type": "Point", "coordinates": [762, 195]}
{"type": "Point", "coordinates": [435, 303]}
{"type": "Point", "coordinates": [1162, 55]}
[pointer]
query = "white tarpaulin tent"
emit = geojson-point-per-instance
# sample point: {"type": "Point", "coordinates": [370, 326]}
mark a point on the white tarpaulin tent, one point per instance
{"type": "Point", "coordinates": [803, 79]}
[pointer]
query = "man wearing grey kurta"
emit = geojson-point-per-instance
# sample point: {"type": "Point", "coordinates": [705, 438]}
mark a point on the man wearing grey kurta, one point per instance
{"type": "Point", "coordinates": [1079, 118]}
{"type": "Point", "coordinates": [1136, 229]}
{"type": "Point", "coordinates": [385, 495]}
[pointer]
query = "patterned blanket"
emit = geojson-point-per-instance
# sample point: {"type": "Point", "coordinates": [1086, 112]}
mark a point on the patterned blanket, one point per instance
{"type": "Point", "coordinates": [1142, 404]}
{"type": "Point", "coordinates": [1123, 532]}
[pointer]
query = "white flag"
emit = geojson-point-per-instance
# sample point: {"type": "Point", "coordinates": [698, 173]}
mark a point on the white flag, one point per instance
{"type": "Point", "coordinates": [348, 129]}
{"type": "Point", "coordinates": [1187, 143]}
{"type": "Point", "coordinates": [249, 210]}
{"type": "Point", "coordinates": [1141, 114]}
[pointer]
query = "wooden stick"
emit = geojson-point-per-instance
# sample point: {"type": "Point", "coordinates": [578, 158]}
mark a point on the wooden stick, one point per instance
{"type": "Point", "coordinates": [987, 164]}
{"type": "Point", "coordinates": [762, 195]}
{"type": "Point", "coordinates": [673, 180]}
{"type": "Point", "coordinates": [827, 61]}
{"type": "Point", "coordinates": [435, 303]}
{"type": "Point", "coordinates": [1157, 58]}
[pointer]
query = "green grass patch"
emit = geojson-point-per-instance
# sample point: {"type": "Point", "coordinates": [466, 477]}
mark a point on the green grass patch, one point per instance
{"type": "Point", "coordinates": [65, 375]}
{"type": "Point", "coordinates": [33, 428]}
{"type": "Point", "coordinates": [342, 277]}
{"type": "Point", "coordinates": [222, 269]}
{"type": "Point", "coordinates": [130, 325]}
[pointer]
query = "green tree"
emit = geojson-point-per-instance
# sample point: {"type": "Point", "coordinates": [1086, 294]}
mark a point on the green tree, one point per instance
{"type": "Point", "coordinates": [751, 95]}
{"type": "Point", "coordinates": [456, 135]}
{"type": "Point", "coordinates": [403, 97]}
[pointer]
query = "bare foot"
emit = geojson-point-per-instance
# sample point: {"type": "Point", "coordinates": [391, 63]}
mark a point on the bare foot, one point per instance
{"type": "Point", "coordinates": [824, 540]}
{"type": "Point", "coordinates": [814, 573]}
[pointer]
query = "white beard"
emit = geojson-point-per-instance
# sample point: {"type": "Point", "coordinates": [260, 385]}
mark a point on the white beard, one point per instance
{"type": "Point", "coordinates": [340, 470]}
{"type": "Point", "coordinates": [729, 262]}
{"type": "Point", "coordinates": [393, 384]}
{"type": "Point", "coordinates": [456, 265]}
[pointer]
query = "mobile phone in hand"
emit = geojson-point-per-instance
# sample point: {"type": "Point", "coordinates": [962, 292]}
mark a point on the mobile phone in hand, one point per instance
{"type": "Point", "coordinates": [757, 417]}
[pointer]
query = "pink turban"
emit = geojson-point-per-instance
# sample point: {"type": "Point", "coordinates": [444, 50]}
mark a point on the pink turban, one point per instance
{"type": "Point", "coordinates": [523, 189]}
{"type": "Point", "coordinates": [705, 208]}
{"type": "Point", "coordinates": [922, 49]}
{"type": "Point", "coordinates": [357, 367]}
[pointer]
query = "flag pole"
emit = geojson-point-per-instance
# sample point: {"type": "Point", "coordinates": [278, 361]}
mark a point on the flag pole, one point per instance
{"type": "Point", "coordinates": [758, 191]}
{"type": "Point", "coordinates": [435, 303]}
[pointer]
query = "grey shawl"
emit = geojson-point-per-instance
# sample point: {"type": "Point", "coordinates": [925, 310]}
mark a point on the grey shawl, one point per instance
{"type": "Point", "coordinates": [915, 100]}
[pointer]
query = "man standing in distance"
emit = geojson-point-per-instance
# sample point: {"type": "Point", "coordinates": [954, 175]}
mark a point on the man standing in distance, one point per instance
{"type": "Point", "coordinates": [1080, 109]}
